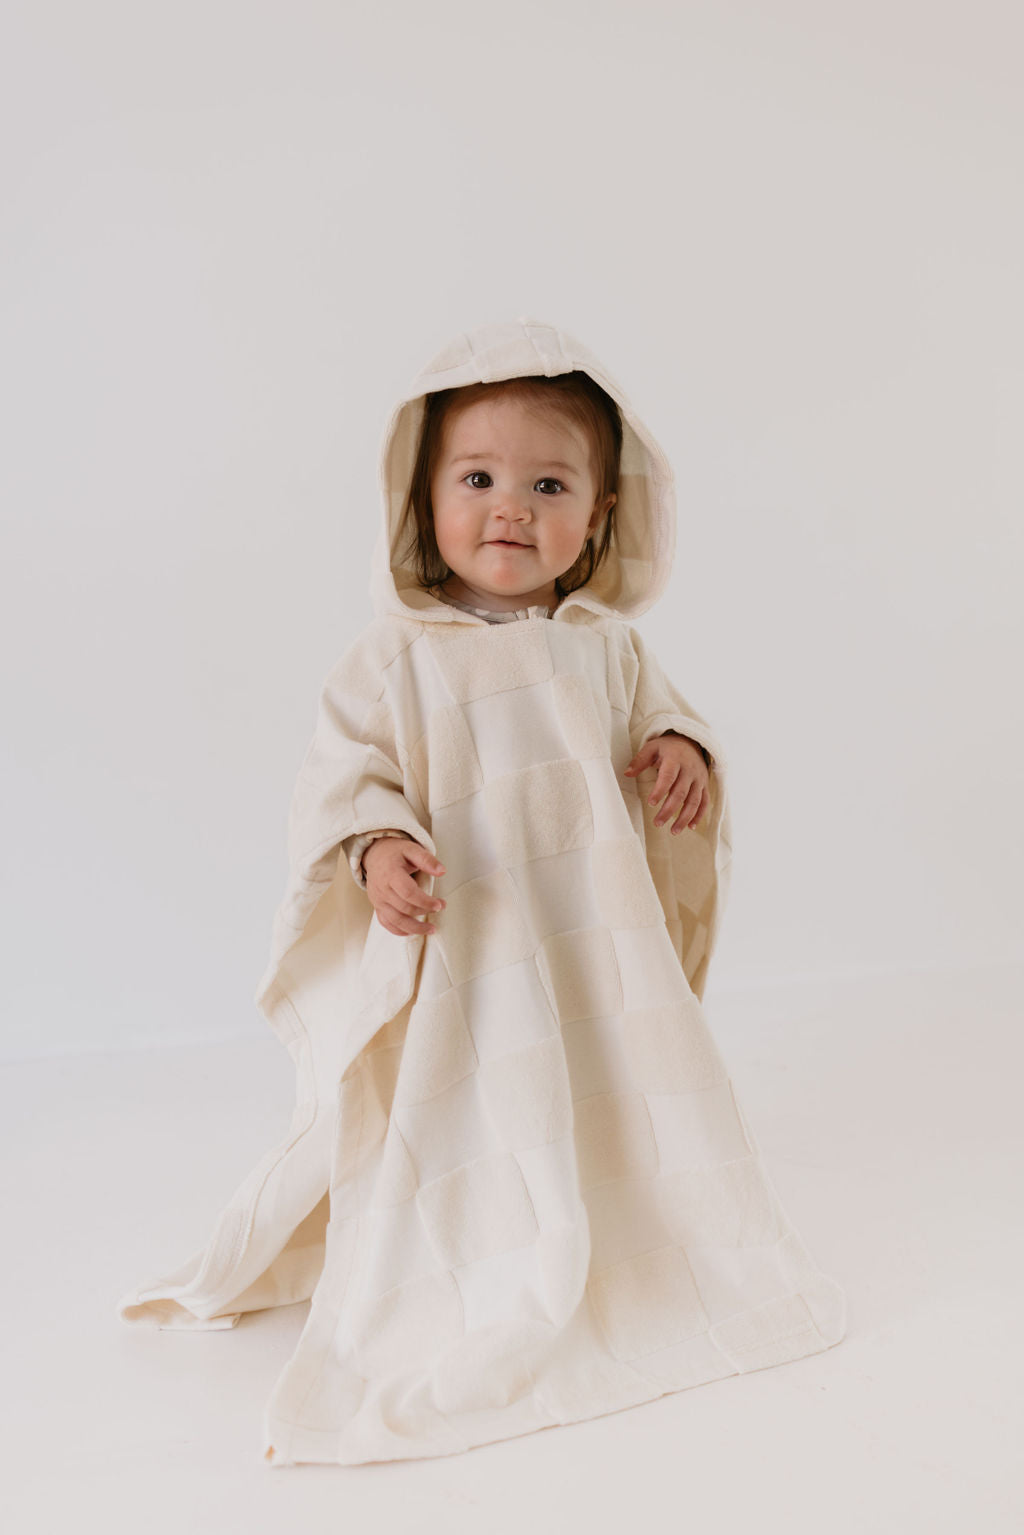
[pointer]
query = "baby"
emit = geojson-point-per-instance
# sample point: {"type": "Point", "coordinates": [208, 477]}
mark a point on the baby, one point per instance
{"type": "Point", "coordinates": [518, 1189]}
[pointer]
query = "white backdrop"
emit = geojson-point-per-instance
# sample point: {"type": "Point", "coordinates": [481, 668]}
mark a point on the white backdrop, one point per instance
{"type": "Point", "coordinates": [231, 232]}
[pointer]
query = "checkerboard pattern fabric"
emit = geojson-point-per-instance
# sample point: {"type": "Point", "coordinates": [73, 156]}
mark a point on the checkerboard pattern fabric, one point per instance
{"type": "Point", "coordinates": [518, 1189]}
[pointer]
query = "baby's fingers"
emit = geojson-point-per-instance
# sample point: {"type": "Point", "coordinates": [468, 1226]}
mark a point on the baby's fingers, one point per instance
{"type": "Point", "coordinates": [401, 926]}
{"type": "Point", "coordinates": [400, 922]}
{"type": "Point", "coordinates": [408, 908]}
{"type": "Point", "coordinates": [411, 897]}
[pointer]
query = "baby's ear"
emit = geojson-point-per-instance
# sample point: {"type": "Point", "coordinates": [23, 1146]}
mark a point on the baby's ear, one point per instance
{"type": "Point", "coordinates": [599, 513]}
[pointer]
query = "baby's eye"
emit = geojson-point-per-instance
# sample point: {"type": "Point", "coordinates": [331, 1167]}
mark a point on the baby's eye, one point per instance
{"type": "Point", "coordinates": [549, 481]}
{"type": "Point", "coordinates": [473, 474]}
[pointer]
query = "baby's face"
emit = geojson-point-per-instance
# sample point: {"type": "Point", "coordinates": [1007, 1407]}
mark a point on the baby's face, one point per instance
{"type": "Point", "coordinates": [506, 473]}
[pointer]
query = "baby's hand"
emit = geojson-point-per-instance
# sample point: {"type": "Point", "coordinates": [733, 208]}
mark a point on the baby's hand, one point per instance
{"type": "Point", "coordinates": [390, 864]}
{"type": "Point", "coordinates": [682, 771]}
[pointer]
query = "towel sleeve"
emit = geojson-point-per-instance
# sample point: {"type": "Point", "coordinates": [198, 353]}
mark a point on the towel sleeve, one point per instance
{"type": "Point", "coordinates": [658, 708]}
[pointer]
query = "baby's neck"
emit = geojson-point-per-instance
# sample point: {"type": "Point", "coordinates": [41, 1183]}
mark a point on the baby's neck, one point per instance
{"type": "Point", "coordinates": [499, 602]}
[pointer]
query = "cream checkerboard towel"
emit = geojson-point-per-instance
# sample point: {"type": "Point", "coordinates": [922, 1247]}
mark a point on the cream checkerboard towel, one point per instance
{"type": "Point", "coordinates": [517, 1185]}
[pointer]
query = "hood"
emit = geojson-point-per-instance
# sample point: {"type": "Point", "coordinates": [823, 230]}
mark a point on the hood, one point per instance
{"type": "Point", "coordinates": [639, 558]}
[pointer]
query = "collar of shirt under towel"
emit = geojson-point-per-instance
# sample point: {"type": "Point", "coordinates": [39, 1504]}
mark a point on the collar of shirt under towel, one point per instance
{"type": "Point", "coordinates": [493, 617]}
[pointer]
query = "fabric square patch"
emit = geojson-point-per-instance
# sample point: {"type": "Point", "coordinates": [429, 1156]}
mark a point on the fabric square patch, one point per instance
{"type": "Point", "coordinates": [552, 1179]}
{"type": "Point", "coordinates": [504, 1287]}
{"type": "Point", "coordinates": [556, 894]}
{"type": "Point", "coordinates": [492, 1369]}
{"type": "Point", "coordinates": [514, 730]}
{"type": "Point", "coordinates": [733, 1279]}
{"type": "Point", "coordinates": [614, 1138]}
{"type": "Point", "coordinates": [626, 896]}
{"type": "Point", "coordinates": [697, 1129]}
{"type": "Point", "coordinates": [395, 1251]}
{"type": "Point", "coordinates": [580, 973]}
{"type": "Point", "coordinates": [610, 801]}
{"type": "Point", "coordinates": [596, 1056]}
{"type": "Point", "coordinates": [465, 843]}
{"type": "Point", "coordinates": [625, 1220]}
{"type": "Point", "coordinates": [730, 1205]}
{"type": "Point", "coordinates": [445, 1131]}
{"type": "Point", "coordinates": [482, 928]}
{"type": "Point", "coordinates": [527, 1095]}
{"type": "Point", "coordinates": [581, 650]}
{"type": "Point", "coordinates": [647, 1303]}
{"type": "Point", "coordinates": [506, 1009]}
{"type": "Point", "coordinates": [443, 761]}
{"type": "Point", "coordinates": [438, 1049]}
{"type": "Point", "coordinates": [582, 716]}
{"type": "Point", "coordinates": [671, 1049]}
{"type": "Point", "coordinates": [649, 966]}
{"type": "Point", "coordinates": [504, 656]}
{"type": "Point", "coordinates": [539, 811]}
{"type": "Point", "coordinates": [407, 1327]}
{"type": "Point", "coordinates": [478, 1209]}
{"type": "Point", "coordinates": [415, 685]}
{"type": "Point", "coordinates": [763, 1326]}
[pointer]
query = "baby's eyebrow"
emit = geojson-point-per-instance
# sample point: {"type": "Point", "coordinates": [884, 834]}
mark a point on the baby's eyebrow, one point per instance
{"type": "Point", "coordinates": [548, 463]}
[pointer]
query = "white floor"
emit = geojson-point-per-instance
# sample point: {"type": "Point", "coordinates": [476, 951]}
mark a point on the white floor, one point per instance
{"type": "Point", "coordinates": [889, 1115]}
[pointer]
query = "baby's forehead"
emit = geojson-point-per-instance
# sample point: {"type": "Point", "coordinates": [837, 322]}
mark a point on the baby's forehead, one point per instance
{"type": "Point", "coordinates": [505, 426]}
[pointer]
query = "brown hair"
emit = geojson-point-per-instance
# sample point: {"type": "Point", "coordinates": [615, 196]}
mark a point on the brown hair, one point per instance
{"type": "Point", "coordinates": [577, 397]}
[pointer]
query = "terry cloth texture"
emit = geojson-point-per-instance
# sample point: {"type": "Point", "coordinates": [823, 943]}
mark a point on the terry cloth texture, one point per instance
{"type": "Point", "coordinates": [517, 1189]}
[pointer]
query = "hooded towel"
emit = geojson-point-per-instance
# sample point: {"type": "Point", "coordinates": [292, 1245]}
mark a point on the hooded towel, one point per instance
{"type": "Point", "coordinates": [517, 1189]}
